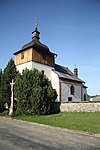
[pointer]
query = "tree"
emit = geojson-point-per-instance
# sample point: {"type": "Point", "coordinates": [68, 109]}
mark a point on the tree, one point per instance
{"type": "Point", "coordinates": [1, 101]}
{"type": "Point", "coordinates": [9, 73]}
{"type": "Point", "coordinates": [0, 76]}
{"type": "Point", "coordinates": [34, 92]}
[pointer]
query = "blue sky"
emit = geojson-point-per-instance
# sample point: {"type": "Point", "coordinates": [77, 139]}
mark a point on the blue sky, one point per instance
{"type": "Point", "coordinates": [70, 28]}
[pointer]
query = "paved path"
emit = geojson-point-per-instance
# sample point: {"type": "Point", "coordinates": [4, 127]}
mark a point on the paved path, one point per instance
{"type": "Point", "coordinates": [20, 135]}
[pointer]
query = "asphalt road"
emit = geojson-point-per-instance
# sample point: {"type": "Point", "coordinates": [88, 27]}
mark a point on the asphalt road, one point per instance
{"type": "Point", "coordinates": [20, 135]}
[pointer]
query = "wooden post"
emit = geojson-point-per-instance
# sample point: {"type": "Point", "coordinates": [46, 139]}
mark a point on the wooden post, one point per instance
{"type": "Point", "coordinates": [12, 98]}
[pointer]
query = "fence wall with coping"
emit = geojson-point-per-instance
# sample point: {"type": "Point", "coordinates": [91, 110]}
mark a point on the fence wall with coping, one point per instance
{"type": "Point", "coordinates": [80, 107]}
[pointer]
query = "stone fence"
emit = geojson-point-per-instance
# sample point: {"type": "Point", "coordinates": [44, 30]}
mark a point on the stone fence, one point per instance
{"type": "Point", "coordinates": [80, 107]}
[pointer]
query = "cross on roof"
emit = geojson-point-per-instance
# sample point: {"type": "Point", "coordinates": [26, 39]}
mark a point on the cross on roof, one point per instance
{"type": "Point", "coordinates": [36, 24]}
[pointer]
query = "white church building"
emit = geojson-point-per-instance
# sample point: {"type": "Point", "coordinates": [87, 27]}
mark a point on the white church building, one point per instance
{"type": "Point", "coordinates": [35, 54]}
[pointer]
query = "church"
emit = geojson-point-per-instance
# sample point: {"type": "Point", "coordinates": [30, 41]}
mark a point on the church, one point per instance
{"type": "Point", "coordinates": [37, 55]}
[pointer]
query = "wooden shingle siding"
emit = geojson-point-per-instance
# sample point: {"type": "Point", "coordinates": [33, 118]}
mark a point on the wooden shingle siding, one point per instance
{"type": "Point", "coordinates": [26, 58]}
{"type": "Point", "coordinates": [43, 58]}
{"type": "Point", "coordinates": [33, 55]}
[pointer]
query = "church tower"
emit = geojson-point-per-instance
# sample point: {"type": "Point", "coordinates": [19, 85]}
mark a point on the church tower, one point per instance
{"type": "Point", "coordinates": [35, 51]}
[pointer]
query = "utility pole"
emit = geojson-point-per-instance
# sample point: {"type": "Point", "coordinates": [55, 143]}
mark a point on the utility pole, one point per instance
{"type": "Point", "coordinates": [12, 98]}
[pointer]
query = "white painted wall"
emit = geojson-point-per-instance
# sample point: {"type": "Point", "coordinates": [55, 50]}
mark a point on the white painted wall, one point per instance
{"type": "Point", "coordinates": [55, 84]}
{"type": "Point", "coordinates": [27, 65]}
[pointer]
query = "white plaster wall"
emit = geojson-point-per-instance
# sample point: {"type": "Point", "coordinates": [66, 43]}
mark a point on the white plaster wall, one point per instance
{"type": "Point", "coordinates": [65, 91]}
{"type": "Point", "coordinates": [55, 84]}
{"type": "Point", "coordinates": [27, 65]}
{"type": "Point", "coordinates": [45, 68]}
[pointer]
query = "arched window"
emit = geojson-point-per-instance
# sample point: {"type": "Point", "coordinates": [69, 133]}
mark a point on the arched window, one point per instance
{"type": "Point", "coordinates": [84, 97]}
{"type": "Point", "coordinates": [72, 90]}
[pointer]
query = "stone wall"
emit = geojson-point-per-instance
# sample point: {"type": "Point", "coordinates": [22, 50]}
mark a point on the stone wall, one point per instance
{"type": "Point", "coordinates": [80, 107]}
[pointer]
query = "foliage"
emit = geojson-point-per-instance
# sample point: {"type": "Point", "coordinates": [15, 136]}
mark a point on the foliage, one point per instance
{"type": "Point", "coordinates": [34, 92]}
{"type": "Point", "coordinates": [89, 122]}
{"type": "Point", "coordinates": [4, 113]}
{"type": "Point", "coordinates": [1, 101]}
{"type": "Point", "coordinates": [5, 89]}
{"type": "Point", "coordinates": [0, 75]}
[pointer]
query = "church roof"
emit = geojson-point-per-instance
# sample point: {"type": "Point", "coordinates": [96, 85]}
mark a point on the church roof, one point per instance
{"type": "Point", "coordinates": [35, 43]}
{"type": "Point", "coordinates": [65, 73]}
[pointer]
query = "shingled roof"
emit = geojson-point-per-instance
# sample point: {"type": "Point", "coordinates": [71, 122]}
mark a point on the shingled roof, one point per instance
{"type": "Point", "coordinates": [65, 73]}
{"type": "Point", "coordinates": [34, 44]}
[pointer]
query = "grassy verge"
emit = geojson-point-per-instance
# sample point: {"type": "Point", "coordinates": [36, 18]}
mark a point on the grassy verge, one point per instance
{"type": "Point", "coordinates": [89, 122]}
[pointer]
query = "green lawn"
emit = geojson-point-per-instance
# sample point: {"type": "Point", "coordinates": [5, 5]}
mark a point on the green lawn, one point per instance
{"type": "Point", "coordinates": [89, 122]}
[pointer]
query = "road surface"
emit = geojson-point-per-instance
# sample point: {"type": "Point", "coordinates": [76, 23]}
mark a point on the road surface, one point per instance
{"type": "Point", "coordinates": [22, 135]}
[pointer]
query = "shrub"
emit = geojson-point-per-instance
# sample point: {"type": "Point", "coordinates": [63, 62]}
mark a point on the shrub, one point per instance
{"type": "Point", "coordinates": [34, 92]}
{"type": "Point", "coordinates": [4, 113]}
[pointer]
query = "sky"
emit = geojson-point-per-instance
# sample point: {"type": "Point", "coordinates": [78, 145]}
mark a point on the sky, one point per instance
{"type": "Point", "coordinates": [70, 28]}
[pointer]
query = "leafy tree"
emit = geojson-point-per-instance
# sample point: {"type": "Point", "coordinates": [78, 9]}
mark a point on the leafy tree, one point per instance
{"type": "Point", "coordinates": [34, 92]}
{"type": "Point", "coordinates": [7, 76]}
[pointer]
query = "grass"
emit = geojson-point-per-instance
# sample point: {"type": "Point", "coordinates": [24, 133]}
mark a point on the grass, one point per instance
{"type": "Point", "coordinates": [89, 122]}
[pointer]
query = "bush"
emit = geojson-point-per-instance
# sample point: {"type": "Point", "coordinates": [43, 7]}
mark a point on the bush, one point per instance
{"type": "Point", "coordinates": [5, 113]}
{"type": "Point", "coordinates": [17, 112]}
{"type": "Point", "coordinates": [34, 93]}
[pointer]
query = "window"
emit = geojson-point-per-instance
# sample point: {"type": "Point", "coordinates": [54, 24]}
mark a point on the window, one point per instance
{"type": "Point", "coordinates": [84, 97]}
{"type": "Point", "coordinates": [72, 90]}
{"type": "Point", "coordinates": [69, 99]}
{"type": "Point", "coordinates": [22, 55]}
